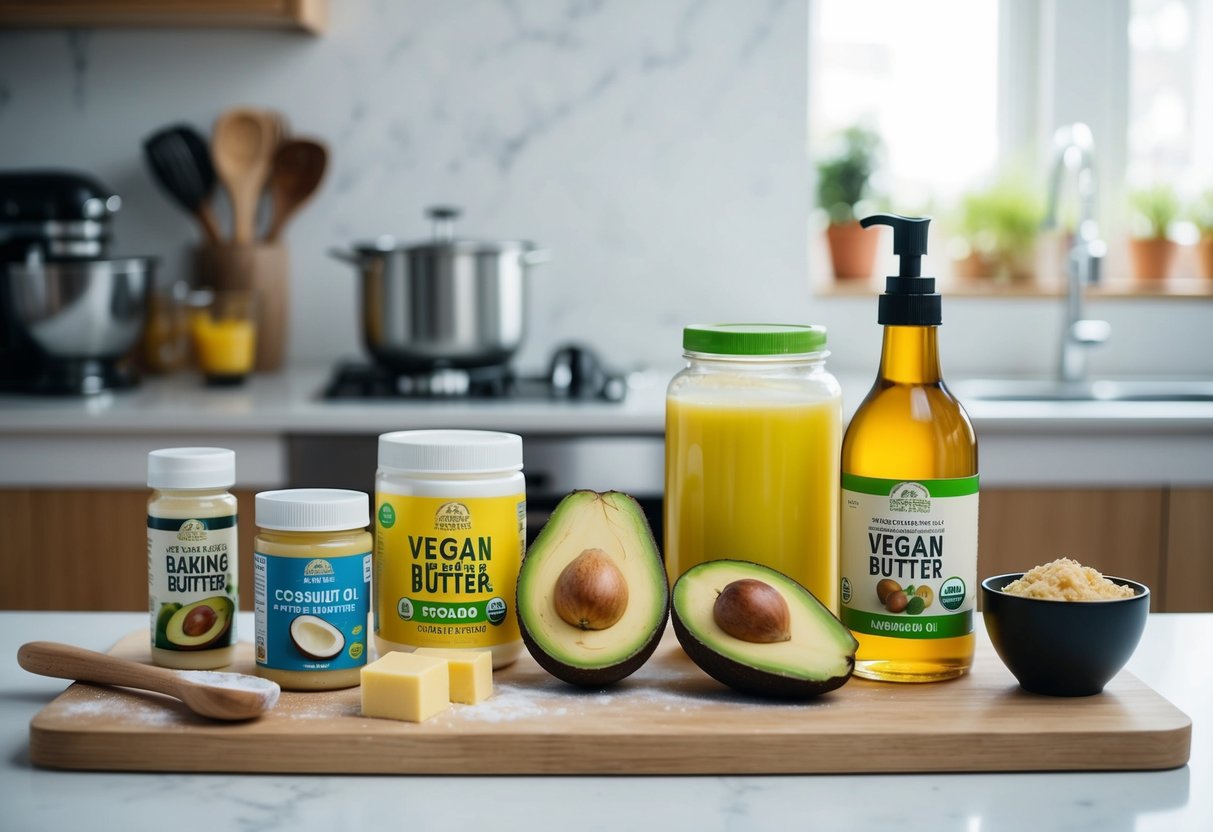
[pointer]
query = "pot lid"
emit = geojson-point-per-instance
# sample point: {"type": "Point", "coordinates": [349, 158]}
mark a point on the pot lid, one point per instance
{"type": "Point", "coordinates": [443, 218]}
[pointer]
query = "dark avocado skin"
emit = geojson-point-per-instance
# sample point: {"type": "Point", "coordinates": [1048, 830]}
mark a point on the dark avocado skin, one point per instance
{"type": "Point", "coordinates": [743, 677]}
{"type": "Point", "coordinates": [747, 679]}
{"type": "Point", "coordinates": [597, 677]}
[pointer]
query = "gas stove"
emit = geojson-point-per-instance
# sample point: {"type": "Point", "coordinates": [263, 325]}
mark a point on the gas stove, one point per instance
{"type": "Point", "coordinates": [574, 373]}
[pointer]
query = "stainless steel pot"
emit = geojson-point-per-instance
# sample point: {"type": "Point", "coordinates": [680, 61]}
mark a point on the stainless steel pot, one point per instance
{"type": "Point", "coordinates": [82, 309]}
{"type": "Point", "coordinates": [444, 303]}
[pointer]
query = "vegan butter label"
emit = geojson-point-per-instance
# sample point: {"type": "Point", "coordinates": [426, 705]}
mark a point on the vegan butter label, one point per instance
{"type": "Point", "coordinates": [311, 614]}
{"type": "Point", "coordinates": [192, 582]}
{"type": "Point", "coordinates": [446, 569]}
{"type": "Point", "coordinates": [909, 556]}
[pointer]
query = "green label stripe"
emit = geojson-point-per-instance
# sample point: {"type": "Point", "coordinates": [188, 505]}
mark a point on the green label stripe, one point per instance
{"type": "Point", "coordinates": [908, 626]}
{"type": "Point", "coordinates": [165, 524]}
{"type": "Point", "coordinates": [444, 612]}
{"type": "Point", "coordinates": [955, 487]}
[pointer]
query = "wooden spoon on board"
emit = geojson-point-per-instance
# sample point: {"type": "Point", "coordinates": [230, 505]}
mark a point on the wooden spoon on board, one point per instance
{"type": "Point", "coordinates": [243, 145]}
{"type": "Point", "coordinates": [299, 165]}
{"type": "Point", "coordinates": [228, 696]}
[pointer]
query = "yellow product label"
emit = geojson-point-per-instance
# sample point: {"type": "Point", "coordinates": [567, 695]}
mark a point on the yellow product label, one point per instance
{"type": "Point", "coordinates": [446, 568]}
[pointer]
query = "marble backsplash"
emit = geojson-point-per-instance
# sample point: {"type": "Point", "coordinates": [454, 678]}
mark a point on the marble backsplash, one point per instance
{"type": "Point", "coordinates": [658, 150]}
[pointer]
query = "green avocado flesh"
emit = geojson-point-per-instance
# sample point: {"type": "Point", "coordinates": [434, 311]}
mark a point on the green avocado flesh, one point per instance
{"type": "Point", "coordinates": [613, 522]}
{"type": "Point", "coordinates": [818, 657]}
{"type": "Point", "coordinates": [195, 626]}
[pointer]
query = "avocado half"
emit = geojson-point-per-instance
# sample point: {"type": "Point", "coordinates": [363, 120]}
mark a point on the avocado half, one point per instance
{"type": "Point", "coordinates": [818, 657]}
{"type": "Point", "coordinates": [614, 523]}
{"type": "Point", "coordinates": [197, 626]}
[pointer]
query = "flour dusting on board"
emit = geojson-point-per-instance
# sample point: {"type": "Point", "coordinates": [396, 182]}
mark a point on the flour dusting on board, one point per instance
{"type": "Point", "coordinates": [87, 703]}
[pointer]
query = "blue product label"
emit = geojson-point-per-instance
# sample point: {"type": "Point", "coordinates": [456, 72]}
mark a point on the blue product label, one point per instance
{"type": "Point", "coordinates": [311, 614]}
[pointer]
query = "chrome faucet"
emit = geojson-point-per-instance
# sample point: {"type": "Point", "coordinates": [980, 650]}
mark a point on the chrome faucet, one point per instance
{"type": "Point", "coordinates": [1074, 156]}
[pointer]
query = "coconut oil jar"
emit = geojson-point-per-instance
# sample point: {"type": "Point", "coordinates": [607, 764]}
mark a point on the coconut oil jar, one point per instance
{"type": "Point", "coordinates": [312, 583]}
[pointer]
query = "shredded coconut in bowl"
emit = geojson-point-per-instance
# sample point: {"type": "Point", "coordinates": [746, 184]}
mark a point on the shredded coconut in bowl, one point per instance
{"type": "Point", "coordinates": [1067, 580]}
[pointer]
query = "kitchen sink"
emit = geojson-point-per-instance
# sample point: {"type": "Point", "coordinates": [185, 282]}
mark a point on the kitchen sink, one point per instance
{"type": "Point", "coordinates": [1046, 390]}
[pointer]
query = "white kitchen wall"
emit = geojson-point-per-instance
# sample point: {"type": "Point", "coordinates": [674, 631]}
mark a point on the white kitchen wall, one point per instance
{"type": "Point", "coordinates": [657, 149]}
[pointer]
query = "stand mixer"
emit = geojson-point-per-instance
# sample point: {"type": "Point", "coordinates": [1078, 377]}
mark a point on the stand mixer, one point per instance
{"type": "Point", "coordinates": [69, 313]}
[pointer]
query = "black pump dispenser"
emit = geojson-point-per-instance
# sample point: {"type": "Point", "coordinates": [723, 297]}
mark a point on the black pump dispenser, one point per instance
{"type": "Point", "coordinates": [909, 299]}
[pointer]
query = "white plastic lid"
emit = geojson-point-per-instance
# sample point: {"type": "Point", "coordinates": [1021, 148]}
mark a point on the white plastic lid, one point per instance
{"type": "Point", "coordinates": [312, 510]}
{"type": "Point", "coordinates": [191, 468]}
{"type": "Point", "coordinates": [450, 451]}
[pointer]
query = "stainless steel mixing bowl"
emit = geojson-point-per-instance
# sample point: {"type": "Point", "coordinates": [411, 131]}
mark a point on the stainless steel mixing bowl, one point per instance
{"type": "Point", "coordinates": [82, 309]}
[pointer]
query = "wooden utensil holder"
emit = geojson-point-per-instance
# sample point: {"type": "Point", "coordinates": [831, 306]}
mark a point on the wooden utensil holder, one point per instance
{"type": "Point", "coordinates": [263, 268]}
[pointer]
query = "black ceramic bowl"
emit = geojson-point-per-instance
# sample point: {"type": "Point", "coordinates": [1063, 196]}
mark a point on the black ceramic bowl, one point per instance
{"type": "Point", "coordinates": [1063, 648]}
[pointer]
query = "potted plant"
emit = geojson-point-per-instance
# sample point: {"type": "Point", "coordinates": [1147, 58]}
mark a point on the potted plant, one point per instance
{"type": "Point", "coordinates": [1201, 214]}
{"type": "Point", "coordinates": [843, 181]}
{"type": "Point", "coordinates": [1151, 252]}
{"type": "Point", "coordinates": [999, 226]}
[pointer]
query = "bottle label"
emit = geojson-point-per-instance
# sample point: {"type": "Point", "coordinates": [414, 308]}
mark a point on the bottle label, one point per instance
{"type": "Point", "coordinates": [191, 582]}
{"type": "Point", "coordinates": [311, 614]}
{"type": "Point", "coordinates": [446, 569]}
{"type": "Point", "coordinates": [909, 556]}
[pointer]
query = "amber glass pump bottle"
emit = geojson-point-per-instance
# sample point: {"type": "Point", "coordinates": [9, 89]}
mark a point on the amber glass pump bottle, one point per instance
{"type": "Point", "coordinates": [909, 493]}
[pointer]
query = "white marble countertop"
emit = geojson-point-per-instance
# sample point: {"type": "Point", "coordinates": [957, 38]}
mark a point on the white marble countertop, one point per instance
{"type": "Point", "coordinates": [103, 440]}
{"type": "Point", "coordinates": [1169, 659]}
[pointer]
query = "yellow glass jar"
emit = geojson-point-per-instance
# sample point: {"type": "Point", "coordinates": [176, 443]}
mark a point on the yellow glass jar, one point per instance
{"type": "Point", "coordinates": [753, 428]}
{"type": "Point", "coordinates": [312, 583]}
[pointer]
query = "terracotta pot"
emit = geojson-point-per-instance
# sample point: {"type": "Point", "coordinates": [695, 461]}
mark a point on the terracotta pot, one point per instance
{"type": "Point", "coordinates": [1204, 256]}
{"type": "Point", "coordinates": [972, 267]}
{"type": "Point", "coordinates": [1151, 259]}
{"type": "Point", "coordinates": [852, 250]}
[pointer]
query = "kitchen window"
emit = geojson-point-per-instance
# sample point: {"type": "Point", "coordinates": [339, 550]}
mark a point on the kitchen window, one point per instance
{"type": "Point", "coordinates": [963, 92]}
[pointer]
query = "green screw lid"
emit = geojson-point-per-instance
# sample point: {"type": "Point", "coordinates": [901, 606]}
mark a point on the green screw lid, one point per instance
{"type": "Point", "coordinates": [753, 339]}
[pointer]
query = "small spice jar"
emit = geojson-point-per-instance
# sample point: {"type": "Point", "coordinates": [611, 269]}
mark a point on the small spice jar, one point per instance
{"type": "Point", "coordinates": [450, 531]}
{"type": "Point", "coordinates": [753, 434]}
{"type": "Point", "coordinates": [312, 582]}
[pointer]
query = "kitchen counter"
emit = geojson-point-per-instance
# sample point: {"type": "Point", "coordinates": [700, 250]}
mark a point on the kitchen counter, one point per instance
{"type": "Point", "coordinates": [103, 440]}
{"type": "Point", "coordinates": [35, 799]}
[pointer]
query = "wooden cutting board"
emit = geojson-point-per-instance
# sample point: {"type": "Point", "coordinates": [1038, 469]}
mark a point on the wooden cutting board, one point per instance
{"type": "Point", "coordinates": [668, 718]}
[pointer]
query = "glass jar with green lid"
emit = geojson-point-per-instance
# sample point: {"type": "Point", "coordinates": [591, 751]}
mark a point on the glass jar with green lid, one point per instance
{"type": "Point", "coordinates": [753, 434]}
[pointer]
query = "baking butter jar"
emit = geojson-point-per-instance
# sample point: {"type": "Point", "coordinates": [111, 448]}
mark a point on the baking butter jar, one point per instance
{"type": "Point", "coordinates": [192, 557]}
{"type": "Point", "coordinates": [312, 586]}
{"type": "Point", "coordinates": [753, 433]}
{"type": "Point", "coordinates": [450, 532]}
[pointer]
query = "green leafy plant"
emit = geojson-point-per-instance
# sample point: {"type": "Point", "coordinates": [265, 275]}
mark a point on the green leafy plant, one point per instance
{"type": "Point", "coordinates": [1001, 222]}
{"type": "Point", "coordinates": [1154, 209]}
{"type": "Point", "coordinates": [844, 178]}
{"type": "Point", "coordinates": [1200, 211]}
{"type": "Point", "coordinates": [1003, 218]}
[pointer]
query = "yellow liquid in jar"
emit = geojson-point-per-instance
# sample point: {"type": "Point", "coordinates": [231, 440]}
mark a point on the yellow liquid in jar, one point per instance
{"type": "Point", "coordinates": [910, 427]}
{"type": "Point", "coordinates": [224, 347]}
{"type": "Point", "coordinates": [755, 483]}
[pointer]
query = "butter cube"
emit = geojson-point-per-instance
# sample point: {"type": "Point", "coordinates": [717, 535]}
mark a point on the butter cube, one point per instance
{"type": "Point", "coordinates": [405, 686]}
{"type": "Point", "coordinates": [471, 672]}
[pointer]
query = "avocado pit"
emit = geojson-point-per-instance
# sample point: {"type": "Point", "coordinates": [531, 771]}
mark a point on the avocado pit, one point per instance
{"type": "Point", "coordinates": [198, 620]}
{"type": "Point", "coordinates": [591, 593]}
{"type": "Point", "coordinates": [753, 611]}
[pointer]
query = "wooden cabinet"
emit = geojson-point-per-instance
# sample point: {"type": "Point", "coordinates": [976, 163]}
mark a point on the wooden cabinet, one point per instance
{"type": "Point", "coordinates": [1118, 531]}
{"type": "Point", "coordinates": [309, 16]}
{"type": "Point", "coordinates": [1188, 568]}
{"type": "Point", "coordinates": [1162, 537]}
{"type": "Point", "coordinates": [87, 549]}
